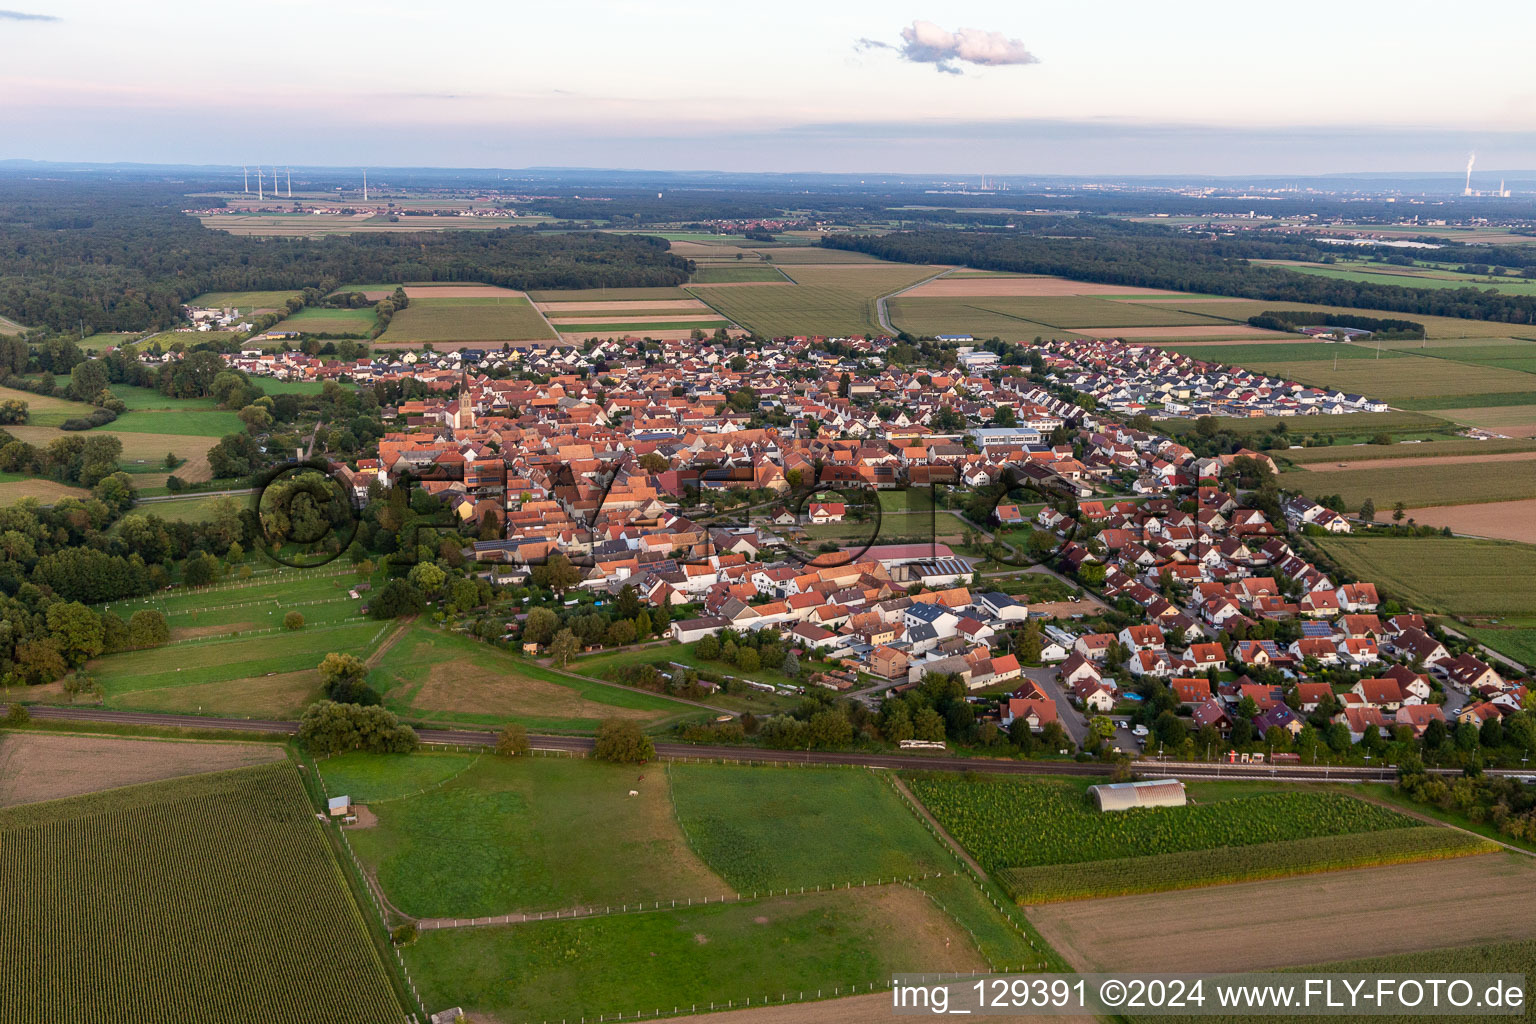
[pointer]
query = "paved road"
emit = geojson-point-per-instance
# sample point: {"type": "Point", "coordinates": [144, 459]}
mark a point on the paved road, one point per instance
{"type": "Point", "coordinates": [1488, 652]}
{"type": "Point", "coordinates": [583, 744]}
{"type": "Point", "coordinates": [883, 315]}
{"type": "Point", "coordinates": [1067, 713]}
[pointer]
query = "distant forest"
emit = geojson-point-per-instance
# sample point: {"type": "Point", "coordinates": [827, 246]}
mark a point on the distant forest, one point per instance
{"type": "Point", "coordinates": [123, 257]}
{"type": "Point", "coordinates": [1114, 252]}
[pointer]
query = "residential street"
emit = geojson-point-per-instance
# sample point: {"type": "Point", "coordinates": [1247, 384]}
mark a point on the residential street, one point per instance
{"type": "Point", "coordinates": [1071, 719]}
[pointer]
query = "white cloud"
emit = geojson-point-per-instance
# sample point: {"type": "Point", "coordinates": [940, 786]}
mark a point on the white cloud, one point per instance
{"type": "Point", "coordinates": [923, 42]}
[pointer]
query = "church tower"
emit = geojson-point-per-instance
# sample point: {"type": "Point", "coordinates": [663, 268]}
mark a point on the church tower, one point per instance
{"type": "Point", "coordinates": [464, 418]}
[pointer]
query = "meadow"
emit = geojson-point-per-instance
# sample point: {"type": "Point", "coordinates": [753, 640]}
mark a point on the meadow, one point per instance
{"type": "Point", "coordinates": [518, 828]}
{"type": "Point", "coordinates": [1454, 575]}
{"type": "Point", "coordinates": [467, 320]}
{"type": "Point", "coordinates": [238, 874]}
{"type": "Point", "coordinates": [1008, 824]}
{"type": "Point", "coordinates": [729, 274]}
{"type": "Point", "coordinates": [320, 320]}
{"type": "Point", "coordinates": [780, 950]}
{"type": "Point", "coordinates": [1406, 277]}
{"type": "Point", "coordinates": [439, 677]}
{"type": "Point", "coordinates": [766, 828]}
{"type": "Point", "coordinates": [245, 302]}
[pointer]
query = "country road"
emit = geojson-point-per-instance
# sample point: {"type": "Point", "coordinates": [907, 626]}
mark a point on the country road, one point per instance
{"type": "Point", "coordinates": [893, 760]}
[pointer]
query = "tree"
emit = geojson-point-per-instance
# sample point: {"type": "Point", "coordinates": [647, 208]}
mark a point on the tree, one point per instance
{"type": "Point", "coordinates": [557, 573]}
{"type": "Point", "coordinates": [16, 715]}
{"type": "Point", "coordinates": [708, 647]}
{"type": "Point", "coordinates": [844, 385]}
{"type": "Point", "coordinates": [426, 577]}
{"type": "Point", "coordinates": [564, 647]}
{"type": "Point", "coordinates": [328, 727]}
{"type": "Point", "coordinates": [513, 741]}
{"type": "Point", "coordinates": [1398, 511]}
{"type": "Point", "coordinates": [1003, 416]}
{"type": "Point", "coordinates": [790, 666]}
{"type": "Point", "coordinates": [1101, 727]}
{"type": "Point", "coordinates": [621, 741]}
{"type": "Point", "coordinates": [397, 598]}
{"type": "Point", "coordinates": [1368, 510]}
{"type": "Point", "coordinates": [147, 628]}
{"type": "Point", "coordinates": [540, 626]}
{"type": "Point", "coordinates": [293, 621]}
{"type": "Point", "coordinates": [928, 724]}
{"type": "Point", "coordinates": [76, 631]}
{"type": "Point", "coordinates": [747, 660]}
{"type": "Point", "coordinates": [619, 633]}
{"type": "Point", "coordinates": [343, 676]}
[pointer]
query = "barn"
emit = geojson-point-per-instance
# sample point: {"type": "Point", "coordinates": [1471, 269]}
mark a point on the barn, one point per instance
{"type": "Point", "coordinates": [1122, 796]}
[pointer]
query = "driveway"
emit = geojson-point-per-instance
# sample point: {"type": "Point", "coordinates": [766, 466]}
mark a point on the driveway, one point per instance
{"type": "Point", "coordinates": [1070, 717]}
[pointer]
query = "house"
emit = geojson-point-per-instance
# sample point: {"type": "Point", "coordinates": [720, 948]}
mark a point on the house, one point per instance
{"type": "Point", "coordinates": [1147, 637]}
{"type": "Point", "coordinates": [1094, 696]}
{"type": "Point", "coordinates": [1419, 646]}
{"type": "Point", "coordinates": [1076, 669]}
{"type": "Point", "coordinates": [1035, 711]}
{"type": "Point", "coordinates": [1213, 714]}
{"type": "Point", "coordinates": [888, 662]}
{"type": "Point", "coordinates": [1192, 691]}
{"type": "Point", "coordinates": [1312, 695]}
{"type": "Point", "coordinates": [686, 631]}
{"type": "Point", "coordinates": [1418, 716]}
{"type": "Point", "coordinates": [1150, 663]}
{"type": "Point", "coordinates": [1360, 720]}
{"type": "Point", "coordinates": [1001, 606]}
{"type": "Point", "coordinates": [822, 512]}
{"type": "Point", "coordinates": [1094, 646]}
{"type": "Point", "coordinates": [1469, 673]}
{"type": "Point", "coordinates": [1207, 656]}
{"type": "Point", "coordinates": [1277, 717]}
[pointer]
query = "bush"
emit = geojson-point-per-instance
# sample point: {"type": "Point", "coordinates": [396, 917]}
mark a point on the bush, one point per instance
{"type": "Point", "coordinates": [293, 621]}
{"type": "Point", "coordinates": [622, 742]}
{"type": "Point", "coordinates": [95, 418]}
{"type": "Point", "coordinates": [17, 715]}
{"type": "Point", "coordinates": [513, 741]}
{"type": "Point", "coordinates": [331, 728]}
{"type": "Point", "coordinates": [403, 935]}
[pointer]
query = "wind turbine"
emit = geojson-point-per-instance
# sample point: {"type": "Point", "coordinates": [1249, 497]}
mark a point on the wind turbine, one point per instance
{"type": "Point", "coordinates": [259, 195]}
{"type": "Point", "coordinates": [289, 172]}
{"type": "Point", "coordinates": [245, 172]}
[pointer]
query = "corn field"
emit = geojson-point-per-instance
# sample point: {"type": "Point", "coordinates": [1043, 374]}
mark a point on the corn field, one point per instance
{"type": "Point", "coordinates": [204, 900]}
{"type": "Point", "coordinates": [1124, 876]}
{"type": "Point", "coordinates": [1011, 824]}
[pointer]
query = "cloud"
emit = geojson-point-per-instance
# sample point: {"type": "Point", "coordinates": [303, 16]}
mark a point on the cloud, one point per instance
{"type": "Point", "coordinates": [923, 42]}
{"type": "Point", "coordinates": [24, 16]}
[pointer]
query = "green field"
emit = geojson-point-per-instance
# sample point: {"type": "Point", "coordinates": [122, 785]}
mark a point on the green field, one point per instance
{"type": "Point", "coordinates": [1408, 278]}
{"type": "Point", "coordinates": [1435, 327]}
{"type": "Point", "coordinates": [196, 508]}
{"type": "Point", "coordinates": [610, 665]}
{"type": "Point", "coordinates": [439, 677]}
{"type": "Point", "coordinates": [1456, 575]}
{"type": "Point", "coordinates": [768, 828]}
{"type": "Point", "coordinates": [1008, 824]}
{"type": "Point", "coordinates": [1190, 869]}
{"type": "Point", "coordinates": [831, 301]}
{"type": "Point", "coordinates": [499, 835]}
{"type": "Point", "coordinates": [1512, 638]}
{"type": "Point", "coordinates": [243, 301]}
{"type": "Point", "coordinates": [729, 274]}
{"type": "Point", "coordinates": [320, 320]}
{"type": "Point", "coordinates": [210, 899]}
{"type": "Point", "coordinates": [1362, 425]}
{"type": "Point", "coordinates": [1426, 449]}
{"type": "Point", "coordinates": [781, 949]}
{"type": "Point", "coordinates": [471, 319]}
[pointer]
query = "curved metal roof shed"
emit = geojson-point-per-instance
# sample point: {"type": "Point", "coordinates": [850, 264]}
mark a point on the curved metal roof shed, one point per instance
{"type": "Point", "coordinates": [1122, 796]}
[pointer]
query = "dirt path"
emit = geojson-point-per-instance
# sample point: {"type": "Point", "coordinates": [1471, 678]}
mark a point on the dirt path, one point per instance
{"type": "Point", "coordinates": [373, 659]}
{"type": "Point", "coordinates": [1412, 461]}
{"type": "Point", "coordinates": [874, 1008]}
{"type": "Point", "coordinates": [943, 834]}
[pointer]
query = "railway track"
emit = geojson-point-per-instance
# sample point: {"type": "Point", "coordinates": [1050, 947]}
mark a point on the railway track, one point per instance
{"type": "Point", "coordinates": [757, 755]}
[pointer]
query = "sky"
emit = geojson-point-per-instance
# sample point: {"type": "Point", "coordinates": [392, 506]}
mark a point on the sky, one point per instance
{"type": "Point", "coordinates": [997, 88]}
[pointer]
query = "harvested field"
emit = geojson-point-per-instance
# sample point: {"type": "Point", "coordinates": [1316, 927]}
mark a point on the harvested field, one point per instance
{"type": "Point", "coordinates": [193, 632]}
{"type": "Point", "coordinates": [277, 695]}
{"type": "Point", "coordinates": [1376, 453]}
{"type": "Point", "coordinates": [508, 317]}
{"type": "Point", "coordinates": [573, 336]}
{"type": "Point", "coordinates": [14, 487]}
{"type": "Point", "coordinates": [1197, 331]}
{"type": "Point", "coordinates": [470, 688]}
{"type": "Point", "coordinates": [589, 295]}
{"type": "Point", "coordinates": [701, 314]}
{"type": "Point", "coordinates": [50, 766]}
{"type": "Point", "coordinates": [1436, 483]}
{"type": "Point", "coordinates": [628, 305]}
{"type": "Point", "coordinates": [1500, 520]}
{"type": "Point", "coordinates": [870, 1009]}
{"type": "Point", "coordinates": [1214, 929]}
{"type": "Point", "coordinates": [1511, 420]}
{"type": "Point", "coordinates": [1427, 460]}
{"type": "Point", "coordinates": [969, 287]}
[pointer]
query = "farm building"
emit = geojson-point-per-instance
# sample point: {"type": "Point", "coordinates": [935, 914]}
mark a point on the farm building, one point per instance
{"type": "Point", "coordinates": [1122, 796]}
{"type": "Point", "coordinates": [339, 806]}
